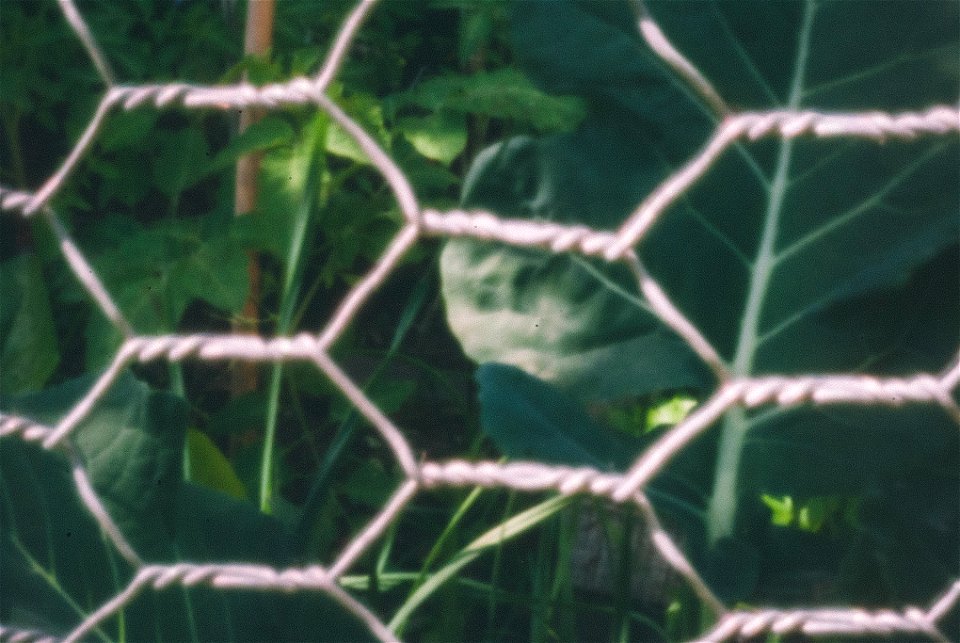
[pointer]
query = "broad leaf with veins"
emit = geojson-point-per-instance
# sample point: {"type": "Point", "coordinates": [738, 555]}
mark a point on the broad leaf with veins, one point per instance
{"type": "Point", "coordinates": [791, 256]}
{"type": "Point", "coordinates": [58, 567]}
{"type": "Point", "coordinates": [815, 223]}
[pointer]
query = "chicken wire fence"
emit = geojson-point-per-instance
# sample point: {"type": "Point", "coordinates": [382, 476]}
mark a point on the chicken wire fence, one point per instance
{"type": "Point", "coordinates": [419, 222]}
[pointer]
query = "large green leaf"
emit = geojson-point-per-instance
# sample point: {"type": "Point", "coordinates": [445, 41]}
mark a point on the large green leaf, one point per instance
{"type": "Point", "coordinates": [530, 420]}
{"type": "Point", "coordinates": [593, 49]}
{"type": "Point", "coordinates": [806, 251]}
{"type": "Point", "coordinates": [834, 254]}
{"type": "Point", "coordinates": [563, 318]}
{"type": "Point", "coordinates": [57, 567]}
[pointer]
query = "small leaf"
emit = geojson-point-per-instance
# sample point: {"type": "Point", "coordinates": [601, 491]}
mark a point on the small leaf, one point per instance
{"type": "Point", "coordinates": [366, 110]}
{"type": "Point", "coordinates": [670, 412]}
{"type": "Point", "coordinates": [210, 468]}
{"type": "Point", "coordinates": [126, 128]}
{"type": "Point", "coordinates": [182, 157]}
{"type": "Point", "coordinates": [215, 272]}
{"type": "Point", "coordinates": [267, 133]}
{"type": "Point", "coordinates": [28, 339]}
{"type": "Point", "coordinates": [267, 230]}
{"type": "Point", "coordinates": [504, 93]}
{"type": "Point", "coordinates": [155, 273]}
{"type": "Point", "coordinates": [442, 136]}
{"type": "Point", "coordinates": [781, 508]}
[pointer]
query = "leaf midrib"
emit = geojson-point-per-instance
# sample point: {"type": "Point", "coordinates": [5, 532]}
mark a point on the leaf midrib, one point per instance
{"type": "Point", "coordinates": [723, 505]}
{"type": "Point", "coordinates": [765, 262]}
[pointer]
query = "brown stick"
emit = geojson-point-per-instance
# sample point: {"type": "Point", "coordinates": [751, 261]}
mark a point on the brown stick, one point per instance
{"type": "Point", "coordinates": [258, 37]}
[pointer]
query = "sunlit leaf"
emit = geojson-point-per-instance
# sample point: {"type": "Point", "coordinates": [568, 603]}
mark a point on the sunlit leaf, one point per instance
{"type": "Point", "coordinates": [441, 136]}
{"type": "Point", "coordinates": [269, 132]}
{"type": "Point", "coordinates": [503, 94]}
{"type": "Point", "coordinates": [210, 468]}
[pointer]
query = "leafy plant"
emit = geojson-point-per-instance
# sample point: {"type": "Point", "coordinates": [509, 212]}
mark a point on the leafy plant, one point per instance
{"type": "Point", "coordinates": [840, 251]}
{"type": "Point", "coordinates": [790, 256]}
{"type": "Point", "coordinates": [131, 449]}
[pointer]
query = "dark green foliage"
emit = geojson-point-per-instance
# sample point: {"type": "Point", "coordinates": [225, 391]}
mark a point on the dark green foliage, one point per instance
{"type": "Point", "coordinates": [131, 447]}
{"type": "Point", "coordinates": [805, 255]}
{"type": "Point", "coordinates": [529, 420]}
{"type": "Point", "coordinates": [859, 275]}
{"type": "Point", "coordinates": [29, 350]}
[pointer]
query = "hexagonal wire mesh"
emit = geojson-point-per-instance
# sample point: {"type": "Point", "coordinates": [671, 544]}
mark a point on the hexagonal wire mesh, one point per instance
{"type": "Point", "coordinates": [617, 246]}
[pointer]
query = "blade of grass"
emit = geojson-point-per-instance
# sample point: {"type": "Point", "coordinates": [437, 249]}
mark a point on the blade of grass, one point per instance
{"type": "Point", "coordinates": [292, 282]}
{"type": "Point", "coordinates": [540, 578]}
{"type": "Point", "coordinates": [388, 580]}
{"type": "Point", "coordinates": [495, 573]}
{"type": "Point", "coordinates": [492, 538]}
{"type": "Point", "coordinates": [624, 579]}
{"type": "Point", "coordinates": [448, 531]}
{"type": "Point", "coordinates": [561, 593]}
{"type": "Point", "coordinates": [321, 483]}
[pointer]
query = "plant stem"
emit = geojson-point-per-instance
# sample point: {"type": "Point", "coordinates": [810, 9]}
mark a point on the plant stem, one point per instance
{"type": "Point", "coordinates": [175, 370]}
{"type": "Point", "coordinates": [11, 124]}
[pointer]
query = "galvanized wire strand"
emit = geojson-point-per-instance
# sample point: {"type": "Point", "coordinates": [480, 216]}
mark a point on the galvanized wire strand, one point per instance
{"type": "Point", "coordinates": [786, 124]}
{"type": "Point", "coordinates": [230, 576]}
{"type": "Point", "coordinates": [96, 509]}
{"type": "Point", "coordinates": [83, 34]}
{"type": "Point", "coordinates": [672, 317]}
{"type": "Point", "coordinates": [945, 603]}
{"type": "Point", "coordinates": [342, 42]}
{"type": "Point", "coordinates": [55, 182]}
{"type": "Point", "coordinates": [86, 275]}
{"type": "Point", "coordinates": [823, 622]}
{"type": "Point", "coordinates": [661, 45]}
{"type": "Point", "coordinates": [17, 635]}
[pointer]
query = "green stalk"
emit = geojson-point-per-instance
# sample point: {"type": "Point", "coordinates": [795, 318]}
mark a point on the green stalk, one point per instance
{"type": "Point", "coordinates": [496, 567]}
{"type": "Point", "coordinates": [624, 578]}
{"type": "Point", "coordinates": [561, 594]}
{"type": "Point", "coordinates": [540, 605]}
{"type": "Point", "coordinates": [292, 283]}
